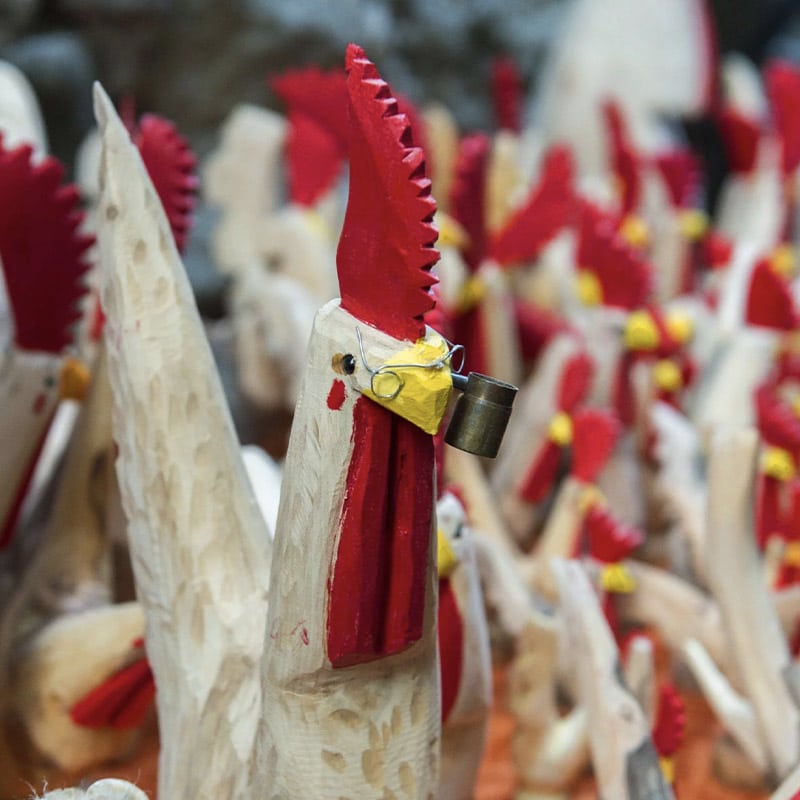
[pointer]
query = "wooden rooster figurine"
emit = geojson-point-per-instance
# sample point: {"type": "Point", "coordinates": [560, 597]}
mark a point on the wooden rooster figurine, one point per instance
{"type": "Point", "coordinates": [351, 686]}
{"type": "Point", "coordinates": [43, 261]}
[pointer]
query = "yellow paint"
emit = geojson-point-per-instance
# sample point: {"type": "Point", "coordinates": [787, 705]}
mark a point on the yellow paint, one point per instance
{"type": "Point", "coordinates": [317, 223]}
{"type": "Point", "coordinates": [680, 326]}
{"type": "Point", "coordinates": [667, 375]}
{"type": "Point", "coordinates": [667, 769]}
{"type": "Point", "coordinates": [446, 560]}
{"type": "Point", "coordinates": [588, 288]}
{"type": "Point", "coordinates": [634, 231]}
{"type": "Point", "coordinates": [472, 292]}
{"type": "Point", "coordinates": [590, 497]}
{"type": "Point", "coordinates": [641, 332]}
{"type": "Point", "coordinates": [424, 392]}
{"type": "Point", "coordinates": [560, 429]}
{"type": "Point", "coordinates": [73, 379]}
{"type": "Point", "coordinates": [693, 223]}
{"type": "Point", "coordinates": [617, 578]}
{"type": "Point", "coordinates": [796, 405]}
{"type": "Point", "coordinates": [791, 554]}
{"type": "Point", "coordinates": [782, 260]}
{"type": "Point", "coordinates": [451, 234]}
{"type": "Point", "coordinates": [778, 463]}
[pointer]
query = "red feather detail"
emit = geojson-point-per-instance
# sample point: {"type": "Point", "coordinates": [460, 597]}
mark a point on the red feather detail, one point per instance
{"type": "Point", "coordinates": [549, 208]}
{"type": "Point", "coordinates": [42, 251]}
{"type": "Point", "coordinates": [769, 300]}
{"type": "Point", "coordinates": [624, 159]}
{"type": "Point", "coordinates": [468, 193]}
{"type": "Point", "coordinates": [778, 425]}
{"type": "Point", "coordinates": [716, 250]}
{"type": "Point", "coordinates": [542, 472]}
{"type": "Point", "coordinates": [507, 94]}
{"type": "Point", "coordinates": [670, 724]}
{"type": "Point", "coordinates": [782, 83]}
{"type": "Point", "coordinates": [450, 631]}
{"type": "Point", "coordinates": [680, 170]}
{"type": "Point", "coordinates": [610, 540]}
{"type": "Point", "coordinates": [171, 164]}
{"type": "Point", "coordinates": [740, 137]}
{"type": "Point", "coordinates": [624, 274]}
{"type": "Point", "coordinates": [536, 327]}
{"type": "Point", "coordinates": [386, 247]}
{"type": "Point", "coordinates": [318, 95]}
{"type": "Point", "coordinates": [121, 701]}
{"type": "Point", "coordinates": [576, 378]}
{"type": "Point", "coordinates": [594, 434]}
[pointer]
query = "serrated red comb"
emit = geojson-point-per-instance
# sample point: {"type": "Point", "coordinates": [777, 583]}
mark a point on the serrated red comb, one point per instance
{"type": "Point", "coordinates": [625, 276]}
{"type": "Point", "coordinates": [405, 105]}
{"type": "Point", "coordinates": [670, 724]}
{"type": "Point", "coordinates": [386, 248]}
{"type": "Point", "coordinates": [624, 159]}
{"type": "Point", "coordinates": [770, 303]}
{"type": "Point", "coordinates": [680, 170]}
{"type": "Point", "coordinates": [507, 94]}
{"type": "Point", "coordinates": [740, 137]}
{"type": "Point", "coordinates": [594, 436]}
{"type": "Point", "coordinates": [316, 147]}
{"type": "Point", "coordinates": [782, 84]}
{"type": "Point", "coordinates": [318, 95]}
{"type": "Point", "coordinates": [43, 254]}
{"type": "Point", "coordinates": [576, 378]}
{"type": "Point", "coordinates": [121, 701]}
{"type": "Point", "coordinates": [610, 540]}
{"type": "Point", "coordinates": [548, 209]}
{"type": "Point", "coordinates": [468, 193]}
{"type": "Point", "coordinates": [170, 163]}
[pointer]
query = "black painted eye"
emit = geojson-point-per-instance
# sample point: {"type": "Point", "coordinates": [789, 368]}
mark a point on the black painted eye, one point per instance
{"type": "Point", "coordinates": [49, 381]}
{"type": "Point", "coordinates": [348, 363]}
{"type": "Point", "coordinates": [458, 531]}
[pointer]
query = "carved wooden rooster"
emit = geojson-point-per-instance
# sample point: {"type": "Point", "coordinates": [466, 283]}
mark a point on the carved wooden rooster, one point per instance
{"type": "Point", "coordinates": [350, 685]}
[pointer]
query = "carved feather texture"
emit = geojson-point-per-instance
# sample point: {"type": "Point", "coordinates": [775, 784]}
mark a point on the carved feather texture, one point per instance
{"type": "Point", "coordinates": [549, 208]}
{"type": "Point", "coordinates": [594, 436]}
{"type": "Point", "coordinates": [680, 170]}
{"type": "Point", "coordinates": [170, 163]}
{"type": "Point", "coordinates": [740, 137]}
{"type": "Point", "coordinates": [782, 84]}
{"type": "Point", "coordinates": [468, 195]}
{"type": "Point", "coordinates": [770, 303]}
{"type": "Point", "coordinates": [43, 253]}
{"type": "Point", "coordinates": [386, 249]}
{"type": "Point", "coordinates": [507, 94]}
{"type": "Point", "coordinates": [610, 540]}
{"type": "Point", "coordinates": [625, 276]}
{"type": "Point", "coordinates": [670, 724]}
{"type": "Point", "coordinates": [625, 161]}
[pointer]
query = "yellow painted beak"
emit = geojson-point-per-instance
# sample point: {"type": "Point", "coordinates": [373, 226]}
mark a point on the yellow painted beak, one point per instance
{"type": "Point", "coordinates": [446, 560]}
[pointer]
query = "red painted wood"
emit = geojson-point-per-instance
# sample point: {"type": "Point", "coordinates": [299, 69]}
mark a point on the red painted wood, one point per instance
{"type": "Point", "coordinates": [378, 579]}
{"type": "Point", "coordinates": [507, 94]}
{"type": "Point", "coordinates": [541, 473]}
{"type": "Point", "coordinates": [336, 395]}
{"type": "Point", "coordinates": [451, 646]}
{"type": "Point", "coordinates": [467, 195]}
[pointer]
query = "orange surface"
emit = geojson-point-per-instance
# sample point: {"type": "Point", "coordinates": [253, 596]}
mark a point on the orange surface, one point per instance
{"type": "Point", "coordinates": [497, 778]}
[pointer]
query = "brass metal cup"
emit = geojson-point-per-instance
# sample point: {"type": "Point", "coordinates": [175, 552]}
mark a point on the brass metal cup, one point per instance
{"type": "Point", "coordinates": [481, 414]}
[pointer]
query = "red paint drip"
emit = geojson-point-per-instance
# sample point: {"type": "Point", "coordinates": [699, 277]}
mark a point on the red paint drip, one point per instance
{"type": "Point", "coordinates": [39, 403]}
{"type": "Point", "coordinates": [377, 582]}
{"type": "Point", "coordinates": [336, 395]}
{"type": "Point", "coordinates": [451, 646]}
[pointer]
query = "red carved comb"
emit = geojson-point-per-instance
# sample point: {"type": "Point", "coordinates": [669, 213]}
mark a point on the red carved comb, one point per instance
{"type": "Point", "coordinates": [610, 540]}
{"type": "Point", "coordinates": [625, 276]}
{"type": "Point", "coordinates": [594, 435]}
{"type": "Point", "coordinates": [680, 170]}
{"type": "Point", "coordinates": [171, 164]}
{"type": "Point", "coordinates": [624, 159]}
{"type": "Point", "coordinates": [41, 250]}
{"type": "Point", "coordinates": [386, 248]}
{"type": "Point", "coordinates": [576, 378]}
{"type": "Point", "coordinates": [777, 423]}
{"type": "Point", "coordinates": [770, 303]}
{"type": "Point", "coordinates": [782, 82]}
{"type": "Point", "coordinates": [468, 192]}
{"type": "Point", "coordinates": [670, 724]}
{"type": "Point", "coordinates": [507, 94]}
{"type": "Point", "coordinates": [548, 210]}
{"type": "Point", "coordinates": [740, 136]}
{"type": "Point", "coordinates": [316, 105]}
